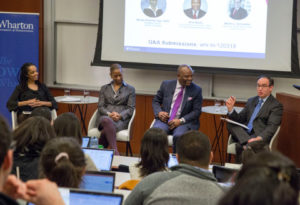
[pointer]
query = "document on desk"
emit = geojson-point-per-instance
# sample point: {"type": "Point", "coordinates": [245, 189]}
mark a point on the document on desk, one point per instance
{"type": "Point", "coordinates": [70, 99]}
{"type": "Point", "coordinates": [234, 122]}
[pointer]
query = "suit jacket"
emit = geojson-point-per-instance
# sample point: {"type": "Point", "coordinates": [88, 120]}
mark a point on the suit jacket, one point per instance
{"type": "Point", "coordinates": [239, 14]}
{"type": "Point", "coordinates": [150, 13]}
{"type": "Point", "coordinates": [267, 119]}
{"type": "Point", "coordinates": [189, 13]}
{"type": "Point", "coordinates": [123, 103]}
{"type": "Point", "coordinates": [191, 104]}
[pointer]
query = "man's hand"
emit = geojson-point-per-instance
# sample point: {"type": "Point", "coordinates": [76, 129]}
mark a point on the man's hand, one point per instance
{"type": "Point", "coordinates": [163, 116]}
{"type": "Point", "coordinates": [43, 192]}
{"type": "Point", "coordinates": [174, 123]}
{"type": "Point", "coordinates": [258, 138]}
{"type": "Point", "coordinates": [230, 103]}
{"type": "Point", "coordinates": [14, 187]}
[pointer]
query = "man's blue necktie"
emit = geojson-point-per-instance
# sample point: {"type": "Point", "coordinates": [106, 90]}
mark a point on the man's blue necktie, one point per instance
{"type": "Point", "coordinates": [256, 110]}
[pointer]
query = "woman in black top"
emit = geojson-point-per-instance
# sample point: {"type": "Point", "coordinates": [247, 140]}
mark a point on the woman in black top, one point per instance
{"type": "Point", "coordinates": [30, 93]}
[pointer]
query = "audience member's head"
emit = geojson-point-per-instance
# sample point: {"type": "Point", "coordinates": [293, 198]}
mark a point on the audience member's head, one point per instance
{"type": "Point", "coordinates": [194, 148]}
{"type": "Point", "coordinates": [267, 178]}
{"type": "Point", "coordinates": [42, 112]}
{"type": "Point", "coordinates": [32, 135]}
{"type": "Point", "coordinates": [154, 152]}
{"type": "Point", "coordinates": [254, 148]}
{"type": "Point", "coordinates": [62, 161]}
{"type": "Point", "coordinates": [68, 125]}
{"type": "Point", "coordinates": [5, 153]}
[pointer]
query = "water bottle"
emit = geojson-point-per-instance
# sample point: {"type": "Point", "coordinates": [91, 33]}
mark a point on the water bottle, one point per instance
{"type": "Point", "coordinates": [94, 142]}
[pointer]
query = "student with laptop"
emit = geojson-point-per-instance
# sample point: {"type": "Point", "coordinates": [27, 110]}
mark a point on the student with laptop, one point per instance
{"type": "Point", "coordinates": [62, 161]}
{"type": "Point", "coordinates": [68, 125]}
{"type": "Point", "coordinates": [40, 192]}
{"type": "Point", "coordinates": [190, 182]}
{"type": "Point", "coordinates": [154, 154]}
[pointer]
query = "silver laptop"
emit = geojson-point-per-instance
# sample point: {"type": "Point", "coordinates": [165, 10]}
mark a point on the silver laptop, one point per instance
{"type": "Point", "coordinates": [101, 157]}
{"type": "Point", "coordinates": [98, 181]}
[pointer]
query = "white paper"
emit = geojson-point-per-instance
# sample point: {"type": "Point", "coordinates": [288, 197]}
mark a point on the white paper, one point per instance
{"type": "Point", "coordinates": [234, 122]}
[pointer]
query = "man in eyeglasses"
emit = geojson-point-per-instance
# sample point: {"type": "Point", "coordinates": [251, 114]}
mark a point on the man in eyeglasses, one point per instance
{"type": "Point", "coordinates": [262, 115]}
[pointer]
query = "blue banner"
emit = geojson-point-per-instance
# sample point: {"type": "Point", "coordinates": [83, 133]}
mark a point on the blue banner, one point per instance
{"type": "Point", "coordinates": [19, 43]}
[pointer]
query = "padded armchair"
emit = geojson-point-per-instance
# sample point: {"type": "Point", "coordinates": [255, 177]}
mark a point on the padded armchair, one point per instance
{"type": "Point", "coordinates": [231, 144]}
{"type": "Point", "coordinates": [122, 136]}
{"type": "Point", "coordinates": [170, 137]}
{"type": "Point", "coordinates": [14, 118]}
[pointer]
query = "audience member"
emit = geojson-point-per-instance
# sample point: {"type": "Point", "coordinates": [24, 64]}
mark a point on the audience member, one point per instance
{"type": "Point", "coordinates": [262, 115]}
{"type": "Point", "coordinates": [254, 148]}
{"type": "Point", "coordinates": [177, 104]}
{"type": "Point", "coordinates": [268, 178]}
{"type": "Point", "coordinates": [62, 161]}
{"type": "Point", "coordinates": [28, 140]}
{"type": "Point", "coordinates": [40, 192]}
{"type": "Point", "coordinates": [115, 107]}
{"type": "Point", "coordinates": [42, 112]}
{"type": "Point", "coordinates": [154, 154]}
{"type": "Point", "coordinates": [30, 93]}
{"type": "Point", "coordinates": [68, 125]}
{"type": "Point", "coordinates": [188, 183]}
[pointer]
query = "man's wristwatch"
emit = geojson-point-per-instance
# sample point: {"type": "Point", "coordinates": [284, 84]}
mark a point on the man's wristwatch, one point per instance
{"type": "Point", "coordinates": [181, 121]}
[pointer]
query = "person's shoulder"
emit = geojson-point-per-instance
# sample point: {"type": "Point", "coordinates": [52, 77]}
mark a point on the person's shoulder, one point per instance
{"type": "Point", "coordinates": [195, 86]}
{"type": "Point", "coordinates": [130, 87]}
{"type": "Point", "coordinates": [166, 82]}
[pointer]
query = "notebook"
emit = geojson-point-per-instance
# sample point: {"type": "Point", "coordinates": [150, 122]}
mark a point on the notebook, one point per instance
{"type": "Point", "coordinates": [172, 160]}
{"type": "Point", "coordinates": [98, 181]}
{"type": "Point", "coordinates": [85, 141]}
{"type": "Point", "coordinates": [101, 157]}
{"type": "Point", "coordinates": [83, 197]}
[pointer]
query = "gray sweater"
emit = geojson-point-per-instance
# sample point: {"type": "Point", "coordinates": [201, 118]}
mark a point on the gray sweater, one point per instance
{"type": "Point", "coordinates": [185, 184]}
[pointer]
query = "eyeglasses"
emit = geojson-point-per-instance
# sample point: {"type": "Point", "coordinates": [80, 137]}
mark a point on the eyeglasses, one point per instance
{"type": "Point", "coordinates": [262, 86]}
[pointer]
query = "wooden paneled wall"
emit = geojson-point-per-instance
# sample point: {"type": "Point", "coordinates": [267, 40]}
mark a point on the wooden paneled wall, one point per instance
{"type": "Point", "coordinates": [144, 118]}
{"type": "Point", "coordinates": [288, 141]}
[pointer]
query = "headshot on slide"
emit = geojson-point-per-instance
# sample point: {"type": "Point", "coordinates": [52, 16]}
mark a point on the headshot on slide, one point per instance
{"type": "Point", "coordinates": [239, 9]}
{"type": "Point", "coordinates": [195, 9]}
{"type": "Point", "coordinates": [153, 8]}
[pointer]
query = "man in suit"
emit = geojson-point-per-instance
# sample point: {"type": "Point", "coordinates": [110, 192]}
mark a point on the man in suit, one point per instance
{"type": "Point", "coordinates": [238, 12]}
{"type": "Point", "coordinates": [195, 12]}
{"type": "Point", "coordinates": [177, 104]}
{"type": "Point", "coordinates": [153, 11]}
{"type": "Point", "coordinates": [262, 115]}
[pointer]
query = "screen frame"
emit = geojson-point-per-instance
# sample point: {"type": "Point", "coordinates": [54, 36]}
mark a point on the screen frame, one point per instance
{"type": "Point", "coordinates": [295, 69]}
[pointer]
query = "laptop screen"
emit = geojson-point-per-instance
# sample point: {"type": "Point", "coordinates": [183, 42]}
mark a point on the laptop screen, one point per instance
{"type": "Point", "coordinates": [98, 181]}
{"type": "Point", "coordinates": [101, 157]}
{"type": "Point", "coordinates": [81, 197]}
{"type": "Point", "coordinates": [85, 141]}
{"type": "Point", "coordinates": [172, 160]}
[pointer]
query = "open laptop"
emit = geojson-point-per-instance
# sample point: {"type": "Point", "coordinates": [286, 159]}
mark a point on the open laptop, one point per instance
{"type": "Point", "coordinates": [223, 174]}
{"type": "Point", "coordinates": [85, 142]}
{"type": "Point", "coordinates": [101, 157]}
{"type": "Point", "coordinates": [98, 181]}
{"type": "Point", "coordinates": [172, 160]}
{"type": "Point", "coordinates": [83, 197]}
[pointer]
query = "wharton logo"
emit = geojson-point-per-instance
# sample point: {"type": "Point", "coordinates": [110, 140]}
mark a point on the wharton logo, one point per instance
{"type": "Point", "coordinates": [7, 25]}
